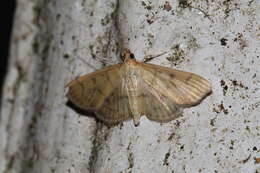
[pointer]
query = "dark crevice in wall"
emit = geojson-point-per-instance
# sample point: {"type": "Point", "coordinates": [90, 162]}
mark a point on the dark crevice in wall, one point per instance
{"type": "Point", "coordinates": [7, 10]}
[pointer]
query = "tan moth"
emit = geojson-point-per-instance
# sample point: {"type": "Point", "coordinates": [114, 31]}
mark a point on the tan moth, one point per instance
{"type": "Point", "coordinates": [132, 89]}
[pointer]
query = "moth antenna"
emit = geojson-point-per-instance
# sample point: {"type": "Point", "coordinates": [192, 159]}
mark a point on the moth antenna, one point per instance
{"type": "Point", "coordinates": [148, 58]}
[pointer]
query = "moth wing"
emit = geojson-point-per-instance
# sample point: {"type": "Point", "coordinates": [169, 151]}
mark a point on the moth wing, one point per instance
{"type": "Point", "coordinates": [90, 91]}
{"type": "Point", "coordinates": [182, 88]}
{"type": "Point", "coordinates": [116, 107]}
{"type": "Point", "coordinates": [156, 106]}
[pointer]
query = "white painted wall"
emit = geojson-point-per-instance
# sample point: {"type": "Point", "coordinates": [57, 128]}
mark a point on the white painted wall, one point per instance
{"type": "Point", "coordinates": [55, 41]}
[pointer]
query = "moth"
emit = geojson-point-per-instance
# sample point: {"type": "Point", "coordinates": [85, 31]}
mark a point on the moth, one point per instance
{"type": "Point", "coordinates": [131, 89]}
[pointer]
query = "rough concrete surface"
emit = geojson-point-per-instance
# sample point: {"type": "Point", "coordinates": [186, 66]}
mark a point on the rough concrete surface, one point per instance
{"type": "Point", "coordinates": [55, 41]}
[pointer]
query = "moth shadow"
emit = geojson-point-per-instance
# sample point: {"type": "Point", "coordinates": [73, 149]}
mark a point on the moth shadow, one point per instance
{"type": "Point", "coordinates": [86, 113]}
{"type": "Point", "coordinates": [82, 112]}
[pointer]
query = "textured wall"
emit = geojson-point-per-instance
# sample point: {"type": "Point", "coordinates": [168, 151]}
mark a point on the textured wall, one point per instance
{"type": "Point", "coordinates": [55, 41]}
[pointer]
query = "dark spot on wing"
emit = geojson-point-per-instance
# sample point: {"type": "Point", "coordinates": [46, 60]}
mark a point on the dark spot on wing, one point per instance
{"type": "Point", "coordinates": [172, 75]}
{"type": "Point", "coordinates": [188, 78]}
{"type": "Point", "coordinates": [94, 80]}
{"type": "Point", "coordinates": [142, 95]}
{"type": "Point", "coordinates": [100, 91]}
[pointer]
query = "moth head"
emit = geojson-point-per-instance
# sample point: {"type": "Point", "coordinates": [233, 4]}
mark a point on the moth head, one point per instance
{"type": "Point", "coordinates": [127, 54]}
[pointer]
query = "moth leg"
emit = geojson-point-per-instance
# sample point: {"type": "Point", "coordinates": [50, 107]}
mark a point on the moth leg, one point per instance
{"type": "Point", "coordinates": [136, 119]}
